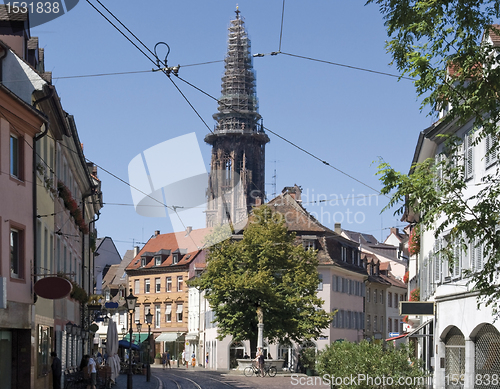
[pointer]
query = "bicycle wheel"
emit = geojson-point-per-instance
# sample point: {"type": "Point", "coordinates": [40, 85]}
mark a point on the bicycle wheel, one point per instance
{"type": "Point", "coordinates": [249, 371]}
{"type": "Point", "coordinates": [272, 371]}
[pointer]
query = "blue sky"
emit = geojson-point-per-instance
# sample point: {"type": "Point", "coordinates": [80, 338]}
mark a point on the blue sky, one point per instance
{"type": "Point", "coordinates": [347, 117]}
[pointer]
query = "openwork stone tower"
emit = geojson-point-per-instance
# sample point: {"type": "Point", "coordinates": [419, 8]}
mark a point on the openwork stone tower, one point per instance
{"type": "Point", "coordinates": [238, 142]}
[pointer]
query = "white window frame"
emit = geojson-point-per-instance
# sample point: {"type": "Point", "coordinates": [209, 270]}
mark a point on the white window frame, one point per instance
{"type": "Point", "coordinates": [158, 285]}
{"type": "Point", "coordinates": [147, 286]}
{"type": "Point", "coordinates": [179, 283]}
{"type": "Point", "coordinates": [157, 316]}
{"type": "Point", "coordinates": [168, 285]}
{"type": "Point", "coordinates": [178, 313]}
{"type": "Point", "coordinates": [168, 313]}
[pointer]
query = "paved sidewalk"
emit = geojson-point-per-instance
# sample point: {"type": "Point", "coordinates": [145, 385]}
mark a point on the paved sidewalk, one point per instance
{"type": "Point", "coordinates": [138, 382]}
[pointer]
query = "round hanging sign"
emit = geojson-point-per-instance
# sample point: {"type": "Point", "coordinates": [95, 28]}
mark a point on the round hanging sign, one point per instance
{"type": "Point", "coordinates": [53, 288]}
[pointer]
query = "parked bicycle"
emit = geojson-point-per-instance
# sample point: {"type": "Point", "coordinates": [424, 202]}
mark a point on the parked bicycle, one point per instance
{"type": "Point", "coordinates": [251, 370]}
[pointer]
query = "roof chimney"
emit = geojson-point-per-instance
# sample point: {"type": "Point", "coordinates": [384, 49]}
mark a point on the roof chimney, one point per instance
{"type": "Point", "coordinates": [188, 230]}
{"type": "Point", "coordinates": [136, 251]}
{"type": "Point", "coordinates": [338, 228]}
{"type": "Point", "coordinates": [157, 232]}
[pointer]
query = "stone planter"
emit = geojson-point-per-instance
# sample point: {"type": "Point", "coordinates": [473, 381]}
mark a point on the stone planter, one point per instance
{"type": "Point", "coordinates": [157, 361]}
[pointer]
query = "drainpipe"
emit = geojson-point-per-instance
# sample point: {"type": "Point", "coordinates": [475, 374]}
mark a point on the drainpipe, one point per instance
{"type": "Point", "coordinates": [33, 180]}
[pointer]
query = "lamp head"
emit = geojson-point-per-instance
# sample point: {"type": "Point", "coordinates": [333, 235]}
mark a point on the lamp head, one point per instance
{"type": "Point", "coordinates": [131, 300]}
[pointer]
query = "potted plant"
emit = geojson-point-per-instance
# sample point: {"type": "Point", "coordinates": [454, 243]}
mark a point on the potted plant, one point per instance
{"type": "Point", "coordinates": [309, 360]}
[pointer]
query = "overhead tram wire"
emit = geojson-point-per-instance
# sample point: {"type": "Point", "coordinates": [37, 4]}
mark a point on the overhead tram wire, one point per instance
{"type": "Point", "coordinates": [285, 139]}
{"type": "Point", "coordinates": [281, 29]}
{"type": "Point", "coordinates": [207, 94]}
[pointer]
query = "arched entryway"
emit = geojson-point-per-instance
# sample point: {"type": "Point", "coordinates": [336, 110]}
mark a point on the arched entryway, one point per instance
{"type": "Point", "coordinates": [236, 351]}
{"type": "Point", "coordinates": [454, 359]}
{"type": "Point", "coordinates": [487, 357]}
{"type": "Point", "coordinates": [286, 352]}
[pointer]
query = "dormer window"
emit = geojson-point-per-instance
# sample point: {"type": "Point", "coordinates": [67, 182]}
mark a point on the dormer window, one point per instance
{"type": "Point", "coordinates": [175, 258]}
{"type": "Point", "coordinates": [309, 242]}
{"type": "Point", "coordinates": [157, 260]}
{"type": "Point", "coordinates": [143, 261]}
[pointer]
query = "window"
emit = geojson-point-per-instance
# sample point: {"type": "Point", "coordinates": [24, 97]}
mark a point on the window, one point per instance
{"type": "Point", "coordinates": [168, 313]}
{"type": "Point", "coordinates": [396, 300]}
{"type": "Point", "coordinates": [334, 283]}
{"type": "Point", "coordinates": [396, 326]}
{"type": "Point", "coordinates": [43, 359]}
{"type": "Point", "coordinates": [137, 289]}
{"type": "Point", "coordinates": [469, 154]}
{"type": "Point", "coordinates": [179, 283]}
{"type": "Point", "coordinates": [389, 299]}
{"type": "Point", "coordinates": [147, 285]}
{"type": "Point", "coordinates": [137, 314]}
{"type": "Point", "coordinates": [169, 284]}
{"type": "Point", "coordinates": [16, 253]}
{"type": "Point", "coordinates": [157, 260]}
{"type": "Point", "coordinates": [382, 323]}
{"type": "Point", "coordinates": [309, 244]}
{"type": "Point", "coordinates": [381, 299]}
{"type": "Point", "coordinates": [368, 323]}
{"type": "Point", "coordinates": [389, 325]}
{"type": "Point", "coordinates": [320, 285]}
{"type": "Point", "coordinates": [375, 296]}
{"type": "Point", "coordinates": [179, 313]}
{"type": "Point", "coordinates": [175, 258]}
{"type": "Point", "coordinates": [157, 285]}
{"type": "Point", "coordinates": [157, 316]}
{"type": "Point", "coordinates": [375, 324]}
{"type": "Point", "coordinates": [107, 295]}
{"type": "Point", "coordinates": [16, 157]}
{"type": "Point", "coordinates": [147, 309]}
{"type": "Point", "coordinates": [143, 262]}
{"type": "Point", "coordinates": [343, 253]}
{"type": "Point", "coordinates": [369, 294]}
{"type": "Point", "coordinates": [490, 152]}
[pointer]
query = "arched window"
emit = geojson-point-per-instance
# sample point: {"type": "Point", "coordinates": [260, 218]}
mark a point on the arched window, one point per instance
{"type": "Point", "coordinates": [454, 358]}
{"type": "Point", "coordinates": [487, 350]}
{"type": "Point", "coordinates": [236, 351]}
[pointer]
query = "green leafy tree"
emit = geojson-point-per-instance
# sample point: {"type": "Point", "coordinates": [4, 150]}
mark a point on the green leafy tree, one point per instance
{"type": "Point", "coordinates": [340, 362]}
{"type": "Point", "coordinates": [443, 46]}
{"type": "Point", "coordinates": [266, 269]}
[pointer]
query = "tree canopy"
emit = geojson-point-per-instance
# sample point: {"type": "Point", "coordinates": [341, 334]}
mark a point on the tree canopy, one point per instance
{"type": "Point", "coordinates": [266, 269]}
{"type": "Point", "coordinates": [444, 46]}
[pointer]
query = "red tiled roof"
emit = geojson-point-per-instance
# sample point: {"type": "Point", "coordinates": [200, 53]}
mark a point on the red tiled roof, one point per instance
{"type": "Point", "coordinates": [190, 245]}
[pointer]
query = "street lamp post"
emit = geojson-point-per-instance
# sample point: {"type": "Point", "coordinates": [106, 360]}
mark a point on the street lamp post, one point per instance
{"type": "Point", "coordinates": [131, 300]}
{"type": "Point", "coordinates": [139, 343]}
{"type": "Point", "coordinates": [149, 320]}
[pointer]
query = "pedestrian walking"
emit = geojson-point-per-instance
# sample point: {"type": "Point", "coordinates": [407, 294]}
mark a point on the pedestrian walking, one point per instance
{"type": "Point", "coordinates": [164, 359]}
{"type": "Point", "coordinates": [193, 359]}
{"type": "Point", "coordinates": [185, 358]}
{"type": "Point", "coordinates": [56, 371]}
{"type": "Point", "coordinates": [206, 360]}
{"type": "Point", "coordinates": [168, 357]}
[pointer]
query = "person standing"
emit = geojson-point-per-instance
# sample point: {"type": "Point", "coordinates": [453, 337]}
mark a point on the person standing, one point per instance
{"type": "Point", "coordinates": [56, 371]}
{"type": "Point", "coordinates": [206, 360]}
{"type": "Point", "coordinates": [92, 373]}
{"type": "Point", "coordinates": [164, 359]}
{"type": "Point", "coordinates": [259, 358]}
{"type": "Point", "coordinates": [185, 358]}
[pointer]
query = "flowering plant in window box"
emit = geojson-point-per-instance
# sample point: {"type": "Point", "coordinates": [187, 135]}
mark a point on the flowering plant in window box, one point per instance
{"type": "Point", "coordinates": [415, 294]}
{"type": "Point", "coordinates": [71, 204]}
{"type": "Point", "coordinates": [414, 241]}
{"type": "Point", "coordinates": [406, 277]}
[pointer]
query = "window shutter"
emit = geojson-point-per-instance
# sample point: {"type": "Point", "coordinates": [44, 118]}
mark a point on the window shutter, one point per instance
{"type": "Point", "coordinates": [437, 260]}
{"type": "Point", "coordinates": [469, 168]}
{"type": "Point", "coordinates": [478, 255]}
{"type": "Point", "coordinates": [457, 258]}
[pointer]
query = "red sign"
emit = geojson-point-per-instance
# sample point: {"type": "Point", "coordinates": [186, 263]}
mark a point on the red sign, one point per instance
{"type": "Point", "coordinates": [53, 288]}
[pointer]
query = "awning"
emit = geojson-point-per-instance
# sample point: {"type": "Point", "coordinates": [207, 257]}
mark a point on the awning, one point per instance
{"type": "Point", "coordinates": [126, 344]}
{"type": "Point", "coordinates": [137, 337]}
{"type": "Point", "coordinates": [413, 333]}
{"type": "Point", "coordinates": [179, 308]}
{"type": "Point", "coordinates": [168, 310]}
{"type": "Point", "coordinates": [167, 337]}
{"type": "Point", "coordinates": [192, 337]}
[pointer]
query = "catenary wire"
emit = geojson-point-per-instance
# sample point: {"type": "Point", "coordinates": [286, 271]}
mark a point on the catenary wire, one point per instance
{"type": "Point", "coordinates": [281, 29]}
